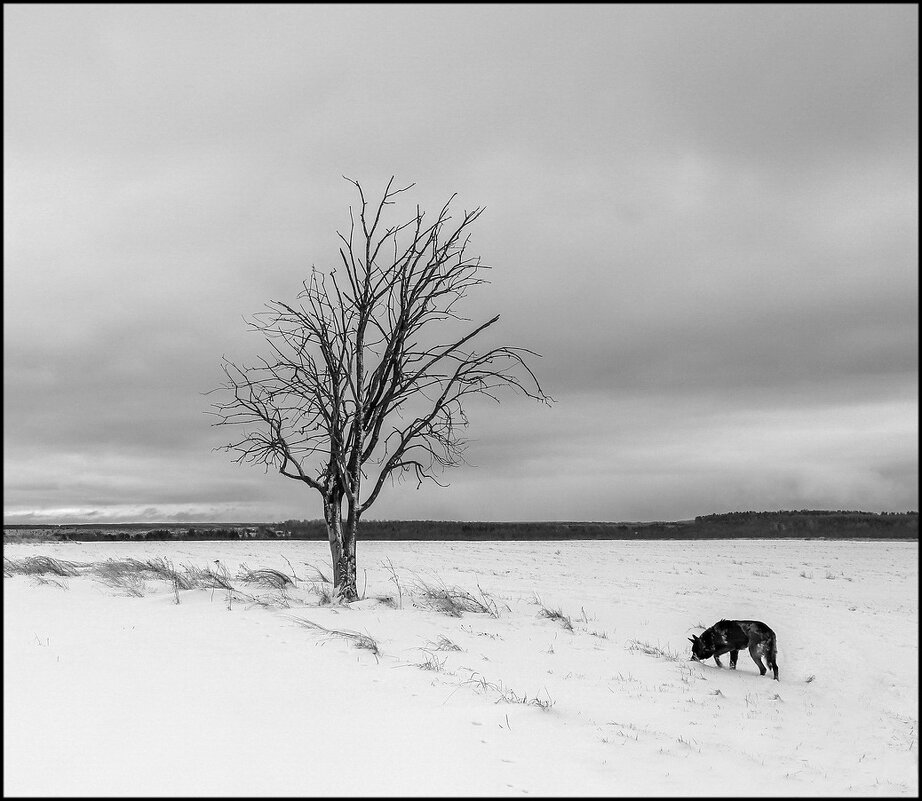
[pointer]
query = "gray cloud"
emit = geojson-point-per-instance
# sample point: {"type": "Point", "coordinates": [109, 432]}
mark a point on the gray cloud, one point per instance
{"type": "Point", "coordinates": [689, 209]}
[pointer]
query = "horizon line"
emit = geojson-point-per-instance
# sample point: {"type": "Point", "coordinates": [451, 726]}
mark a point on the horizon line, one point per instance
{"type": "Point", "coordinates": [174, 524]}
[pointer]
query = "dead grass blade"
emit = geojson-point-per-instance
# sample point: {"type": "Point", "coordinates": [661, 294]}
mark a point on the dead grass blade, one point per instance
{"type": "Point", "coordinates": [320, 574]}
{"type": "Point", "coordinates": [359, 640]}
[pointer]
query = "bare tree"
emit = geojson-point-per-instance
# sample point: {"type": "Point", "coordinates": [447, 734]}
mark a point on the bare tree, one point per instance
{"type": "Point", "coordinates": [355, 390]}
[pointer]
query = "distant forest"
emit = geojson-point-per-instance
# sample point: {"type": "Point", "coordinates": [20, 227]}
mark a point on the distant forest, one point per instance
{"type": "Point", "coordinates": [733, 525]}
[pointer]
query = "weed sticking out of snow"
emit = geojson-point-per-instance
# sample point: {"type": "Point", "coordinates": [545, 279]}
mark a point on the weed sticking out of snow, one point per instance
{"type": "Point", "coordinates": [491, 635]}
{"type": "Point", "coordinates": [324, 592]}
{"type": "Point", "coordinates": [290, 567]}
{"type": "Point", "coordinates": [279, 600]}
{"type": "Point", "coordinates": [655, 650]}
{"type": "Point", "coordinates": [130, 584]}
{"type": "Point", "coordinates": [454, 601]}
{"type": "Point", "coordinates": [395, 580]}
{"type": "Point", "coordinates": [444, 644]}
{"type": "Point", "coordinates": [432, 661]}
{"type": "Point", "coordinates": [163, 568]}
{"type": "Point", "coordinates": [557, 616]}
{"type": "Point", "coordinates": [359, 640]}
{"type": "Point", "coordinates": [208, 577]}
{"type": "Point", "coordinates": [386, 600]}
{"type": "Point", "coordinates": [507, 694]}
{"type": "Point", "coordinates": [265, 577]}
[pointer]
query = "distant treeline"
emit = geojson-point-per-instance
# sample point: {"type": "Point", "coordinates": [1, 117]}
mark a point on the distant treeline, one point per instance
{"type": "Point", "coordinates": [811, 523]}
{"type": "Point", "coordinates": [732, 525]}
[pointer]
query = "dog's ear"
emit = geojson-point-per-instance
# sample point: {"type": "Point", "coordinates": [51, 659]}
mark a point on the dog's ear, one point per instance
{"type": "Point", "coordinates": [693, 639]}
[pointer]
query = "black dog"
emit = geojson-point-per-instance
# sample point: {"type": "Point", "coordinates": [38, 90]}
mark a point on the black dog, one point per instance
{"type": "Point", "coordinates": [733, 635]}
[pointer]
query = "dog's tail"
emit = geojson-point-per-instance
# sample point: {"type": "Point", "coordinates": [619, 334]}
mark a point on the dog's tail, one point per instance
{"type": "Point", "coordinates": [773, 654]}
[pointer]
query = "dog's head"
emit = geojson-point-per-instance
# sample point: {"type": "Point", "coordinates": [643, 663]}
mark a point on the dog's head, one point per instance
{"type": "Point", "coordinates": [702, 647]}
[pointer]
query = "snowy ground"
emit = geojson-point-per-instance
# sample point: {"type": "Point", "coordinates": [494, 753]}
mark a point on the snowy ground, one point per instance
{"type": "Point", "coordinates": [109, 694]}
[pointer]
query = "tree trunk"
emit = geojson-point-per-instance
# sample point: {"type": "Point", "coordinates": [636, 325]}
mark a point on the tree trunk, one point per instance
{"type": "Point", "coordinates": [342, 551]}
{"type": "Point", "coordinates": [343, 554]}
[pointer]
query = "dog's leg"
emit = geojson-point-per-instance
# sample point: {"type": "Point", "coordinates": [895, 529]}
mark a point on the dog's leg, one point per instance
{"type": "Point", "coordinates": [733, 655]}
{"type": "Point", "coordinates": [717, 660]}
{"type": "Point", "coordinates": [772, 662]}
{"type": "Point", "coordinates": [755, 651]}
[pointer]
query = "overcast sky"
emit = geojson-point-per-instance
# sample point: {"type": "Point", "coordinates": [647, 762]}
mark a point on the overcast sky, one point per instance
{"type": "Point", "coordinates": [705, 218]}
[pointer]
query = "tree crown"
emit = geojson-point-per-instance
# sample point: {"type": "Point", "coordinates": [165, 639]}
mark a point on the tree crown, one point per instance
{"type": "Point", "coordinates": [356, 384]}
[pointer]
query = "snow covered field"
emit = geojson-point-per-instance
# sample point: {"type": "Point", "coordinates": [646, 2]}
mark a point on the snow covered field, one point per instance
{"type": "Point", "coordinates": [116, 694]}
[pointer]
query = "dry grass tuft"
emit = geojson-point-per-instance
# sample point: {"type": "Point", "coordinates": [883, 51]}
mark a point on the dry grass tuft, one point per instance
{"type": "Point", "coordinates": [116, 568]}
{"type": "Point", "coordinates": [128, 575]}
{"type": "Point", "coordinates": [489, 634]}
{"type": "Point", "coordinates": [163, 568]}
{"type": "Point", "coordinates": [387, 600]}
{"type": "Point", "coordinates": [40, 565]}
{"type": "Point", "coordinates": [208, 578]}
{"type": "Point", "coordinates": [557, 615]}
{"type": "Point", "coordinates": [431, 662]}
{"type": "Point", "coordinates": [444, 644]}
{"type": "Point", "coordinates": [655, 650]}
{"type": "Point", "coordinates": [324, 592]}
{"type": "Point", "coordinates": [454, 601]}
{"type": "Point", "coordinates": [39, 580]}
{"type": "Point", "coordinates": [363, 641]}
{"type": "Point", "coordinates": [121, 576]}
{"type": "Point", "coordinates": [265, 577]}
{"type": "Point", "coordinates": [508, 695]}
{"type": "Point", "coordinates": [270, 601]}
